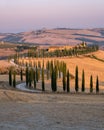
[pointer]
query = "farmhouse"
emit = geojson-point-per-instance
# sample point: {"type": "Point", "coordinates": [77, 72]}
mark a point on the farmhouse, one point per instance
{"type": "Point", "coordinates": [54, 48]}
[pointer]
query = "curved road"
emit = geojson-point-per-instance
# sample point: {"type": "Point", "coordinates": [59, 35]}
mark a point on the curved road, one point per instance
{"type": "Point", "coordinates": [22, 87]}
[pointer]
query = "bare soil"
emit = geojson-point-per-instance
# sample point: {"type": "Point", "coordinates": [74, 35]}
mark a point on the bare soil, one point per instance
{"type": "Point", "coordinates": [24, 111]}
{"type": "Point", "coordinates": [49, 111]}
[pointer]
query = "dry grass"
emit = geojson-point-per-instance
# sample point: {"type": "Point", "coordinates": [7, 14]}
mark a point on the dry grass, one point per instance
{"type": "Point", "coordinates": [53, 111]}
{"type": "Point", "coordinates": [4, 65]}
{"type": "Point", "coordinates": [7, 52]}
{"type": "Point", "coordinates": [90, 66]}
{"type": "Point", "coordinates": [99, 54]}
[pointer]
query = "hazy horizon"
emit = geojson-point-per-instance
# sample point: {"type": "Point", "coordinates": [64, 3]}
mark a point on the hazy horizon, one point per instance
{"type": "Point", "coordinates": [26, 15]}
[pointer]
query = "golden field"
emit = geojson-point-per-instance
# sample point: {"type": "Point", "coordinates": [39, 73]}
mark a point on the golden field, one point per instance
{"type": "Point", "coordinates": [24, 110]}
{"type": "Point", "coordinates": [90, 65]}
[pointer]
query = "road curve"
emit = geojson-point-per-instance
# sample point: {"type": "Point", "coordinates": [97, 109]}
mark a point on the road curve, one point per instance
{"type": "Point", "coordinates": [22, 87]}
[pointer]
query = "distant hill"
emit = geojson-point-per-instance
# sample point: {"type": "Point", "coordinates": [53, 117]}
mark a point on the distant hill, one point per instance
{"type": "Point", "coordinates": [59, 36]}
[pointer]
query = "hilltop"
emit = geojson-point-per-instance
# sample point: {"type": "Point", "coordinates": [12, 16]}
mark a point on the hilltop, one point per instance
{"type": "Point", "coordinates": [59, 36]}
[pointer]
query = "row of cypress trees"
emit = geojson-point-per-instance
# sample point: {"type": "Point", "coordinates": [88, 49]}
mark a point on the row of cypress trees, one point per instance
{"type": "Point", "coordinates": [65, 52]}
{"type": "Point", "coordinates": [53, 71]}
{"type": "Point", "coordinates": [83, 82]}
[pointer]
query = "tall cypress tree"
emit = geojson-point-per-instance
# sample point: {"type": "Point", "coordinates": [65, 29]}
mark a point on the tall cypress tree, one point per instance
{"type": "Point", "coordinates": [39, 65]}
{"type": "Point", "coordinates": [36, 74]}
{"type": "Point", "coordinates": [55, 79]}
{"type": "Point", "coordinates": [52, 79]}
{"type": "Point", "coordinates": [51, 67]}
{"type": "Point", "coordinates": [27, 76]}
{"type": "Point", "coordinates": [64, 76]}
{"type": "Point", "coordinates": [47, 74]}
{"type": "Point", "coordinates": [68, 81]}
{"type": "Point", "coordinates": [34, 79]}
{"type": "Point", "coordinates": [91, 84]}
{"type": "Point", "coordinates": [43, 84]}
{"type": "Point", "coordinates": [10, 77]}
{"type": "Point", "coordinates": [59, 72]}
{"type": "Point", "coordinates": [76, 79]}
{"type": "Point", "coordinates": [97, 84]}
{"type": "Point", "coordinates": [83, 81]}
{"type": "Point", "coordinates": [21, 74]}
{"type": "Point", "coordinates": [30, 79]}
{"type": "Point", "coordinates": [14, 79]}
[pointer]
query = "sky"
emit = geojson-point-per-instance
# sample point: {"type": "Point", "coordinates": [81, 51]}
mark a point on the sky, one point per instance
{"type": "Point", "coordinates": [28, 15]}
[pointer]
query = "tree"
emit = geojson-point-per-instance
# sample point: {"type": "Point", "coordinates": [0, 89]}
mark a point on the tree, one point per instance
{"type": "Point", "coordinates": [64, 76]}
{"type": "Point", "coordinates": [55, 78]}
{"type": "Point", "coordinates": [27, 76]}
{"type": "Point", "coordinates": [21, 74]}
{"type": "Point", "coordinates": [52, 79]}
{"type": "Point", "coordinates": [97, 84]}
{"type": "Point", "coordinates": [47, 74]}
{"type": "Point", "coordinates": [10, 77]}
{"type": "Point", "coordinates": [68, 81]}
{"type": "Point", "coordinates": [83, 81]}
{"type": "Point", "coordinates": [91, 84]}
{"type": "Point", "coordinates": [76, 79]}
{"type": "Point", "coordinates": [30, 77]}
{"type": "Point", "coordinates": [36, 74]}
{"type": "Point", "coordinates": [34, 79]}
{"type": "Point", "coordinates": [43, 84]}
{"type": "Point", "coordinates": [14, 79]}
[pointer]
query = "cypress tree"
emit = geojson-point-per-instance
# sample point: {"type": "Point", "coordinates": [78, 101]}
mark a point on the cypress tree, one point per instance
{"type": "Point", "coordinates": [14, 79]}
{"type": "Point", "coordinates": [76, 79]}
{"type": "Point", "coordinates": [91, 84]}
{"type": "Point", "coordinates": [21, 74]}
{"type": "Point", "coordinates": [43, 64]}
{"type": "Point", "coordinates": [43, 84]}
{"type": "Point", "coordinates": [55, 79]}
{"type": "Point", "coordinates": [27, 76]}
{"type": "Point", "coordinates": [34, 79]}
{"type": "Point", "coordinates": [47, 74]}
{"type": "Point", "coordinates": [97, 84]}
{"type": "Point", "coordinates": [68, 81]}
{"type": "Point", "coordinates": [48, 65]}
{"type": "Point", "coordinates": [36, 74]}
{"type": "Point", "coordinates": [64, 76]}
{"type": "Point", "coordinates": [59, 72]}
{"type": "Point", "coordinates": [83, 81]}
{"type": "Point", "coordinates": [10, 77]}
{"type": "Point", "coordinates": [52, 79]}
{"type": "Point", "coordinates": [30, 77]}
{"type": "Point", "coordinates": [39, 64]}
{"type": "Point", "coordinates": [64, 83]}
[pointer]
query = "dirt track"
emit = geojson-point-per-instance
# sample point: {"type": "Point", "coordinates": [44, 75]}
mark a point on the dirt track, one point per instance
{"type": "Point", "coordinates": [25, 111]}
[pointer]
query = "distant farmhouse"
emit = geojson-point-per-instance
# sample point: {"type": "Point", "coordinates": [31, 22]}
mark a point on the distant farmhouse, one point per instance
{"type": "Point", "coordinates": [61, 48]}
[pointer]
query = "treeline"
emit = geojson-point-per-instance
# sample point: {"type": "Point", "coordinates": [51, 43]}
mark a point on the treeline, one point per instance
{"type": "Point", "coordinates": [52, 71]}
{"type": "Point", "coordinates": [75, 51]}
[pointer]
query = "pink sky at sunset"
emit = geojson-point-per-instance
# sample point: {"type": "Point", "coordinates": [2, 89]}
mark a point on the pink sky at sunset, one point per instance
{"type": "Point", "coordinates": [23, 15]}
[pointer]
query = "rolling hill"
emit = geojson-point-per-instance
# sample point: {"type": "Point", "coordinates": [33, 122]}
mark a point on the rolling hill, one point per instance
{"type": "Point", "coordinates": [59, 36]}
